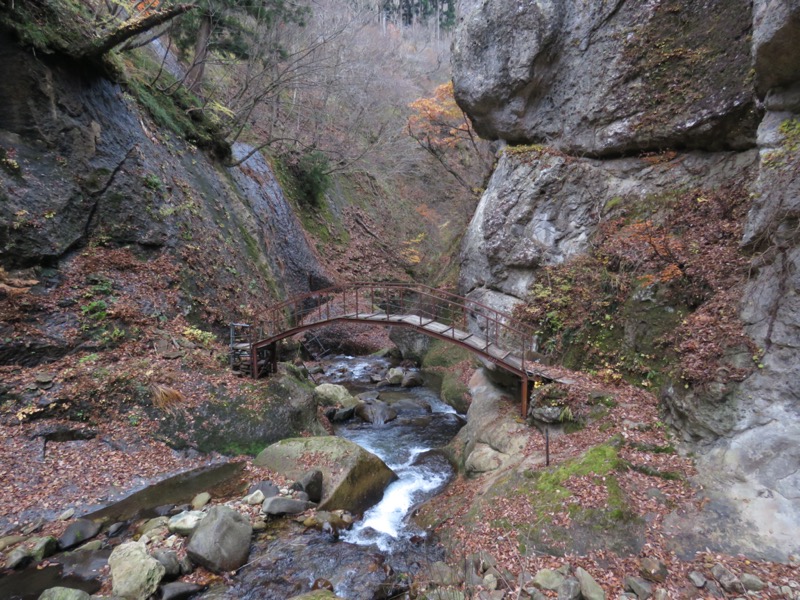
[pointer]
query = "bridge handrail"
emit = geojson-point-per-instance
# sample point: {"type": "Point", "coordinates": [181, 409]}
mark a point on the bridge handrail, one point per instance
{"type": "Point", "coordinates": [506, 320]}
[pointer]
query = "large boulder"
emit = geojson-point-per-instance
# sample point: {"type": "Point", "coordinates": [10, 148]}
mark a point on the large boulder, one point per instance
{"type": "Point", "coordinates": [221, 541]}
{"type": "Point", "coordinates": [135, 575]}
{"type": "Point", "coordinates": [331, 394]}
{"type": "Point", "coordinates": [607, 78]}
{"type": "Point", "coordinates": [352, 478]}
{"type": "Point", "coordinates": [64, 593]}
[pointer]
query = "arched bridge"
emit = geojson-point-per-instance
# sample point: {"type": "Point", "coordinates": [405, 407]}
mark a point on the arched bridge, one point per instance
{"type": "Point", "coordinates": [493, 335]}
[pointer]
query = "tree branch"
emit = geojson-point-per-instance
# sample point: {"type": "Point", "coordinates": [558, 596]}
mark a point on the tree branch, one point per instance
{"type": "Point", "coordinates": [132, 28]}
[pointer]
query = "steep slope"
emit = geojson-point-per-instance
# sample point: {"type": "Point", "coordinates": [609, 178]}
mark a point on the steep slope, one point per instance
{"type": "Point", "coordinates": [683, 106]}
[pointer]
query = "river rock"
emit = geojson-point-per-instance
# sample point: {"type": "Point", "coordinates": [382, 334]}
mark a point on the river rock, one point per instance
{"type": "Point", "coordinates": [376, 412]}
{"type": "Point", "coordinates": [751, 583]}
{"type": "Point", "coordinates": [316, 595]}
{"type": "Point", "coordinates": [279, 505]}
{"type": "Point", "coordinates": [179, 590]}
{"type": "Point", "coordinates": [311, 484]}
{"type": "Point", "coordinates": [200, 500]}
{"type": "Point", "coordinates": [221, 541]}
{"type": "Point", "coordinates": [653, 569]}
{"type": "Point", "coordinates": [152, 524]}
{"type": "Point", "coordinates": [9, 540]}
{"type": "Point", "coordinates": [638, 586]}
{"type": "Point", "coordinates": [43, 547]}
{"type": "Point", "coordinates": [352, 478]}
{"type": "Point", "coordinates": [267, 488]}
{"type": "Point", "coordinates": [729, 582]}
{"type": "Point", "coordinates": [569, 590]}
{"type": "Point", "coordinates": [169, 560]}
{"type": "Point", "coordinates": [331, 394]}
{"type": "Point", "coordinates": [698, 579]}
{"type": "Point", "coordinates": [134, 574]}
{"type": "Point", "coordinates": [412, 379]}
{"type": "Point", "coordinates": [256, 497]}
{"type": "Point", "coordinates": [64, 593]}
{"type": "Point", "coordinates": [395, 376]}
{"type": "Point", "coordinates": [441, 573]}
{"type": "Point", "coordinates": [18, 558]}
{"type": "Point", "coordinates": [184, 523]}
{"type": "Point", "coordinates": [78, 532]}
{"type": "Point", "coordinates": [547, 579]}
{"type": "Point", "coordinates": [590, 590]}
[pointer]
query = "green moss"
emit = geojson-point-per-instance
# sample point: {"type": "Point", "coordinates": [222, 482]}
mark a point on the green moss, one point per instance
{"type": "Point", "coordinates": [454, 392]}
{"type": "Point", "coordinates": [444, 354]}
{"type": "Point", "coordinates": [179, 111]}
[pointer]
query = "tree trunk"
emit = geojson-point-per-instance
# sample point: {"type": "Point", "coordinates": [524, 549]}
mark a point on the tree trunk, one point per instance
{"type": "Point", "coordinates": [195, 75]}
{"type": "Point", "coordinates": [130, 29]}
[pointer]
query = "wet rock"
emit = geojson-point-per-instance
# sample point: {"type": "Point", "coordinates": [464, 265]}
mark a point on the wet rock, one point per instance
{"type": "Point", "coordinates": [169, 560]}
{"type": "Point", "coordinates": [569, 590]}
{"type": "Point", "coordinates": [267, 488]}
{"type": "Point", "coordinates": [395, 376]}
{"type": "Point", "coordinates": [412, 379]}
{"type": "Point", "coordinates": [316, 595]}
{"type": "Point", "coordinates": [331, 394]}
{"type": "Point", "coordinates": [18, 558]}
{"type": "Point", "coordinates": [376, 412]}
{"type": "Point", "coordinates": [78, 532]}
{"type": "Point", "coordinates": [134, 574]}
{"type": "Point", "coordinates": [201, 499]}
{"type": "Point", "coordinates": [311, 484]}
{"type": "Point", "coordinates": [179, 590]}
{"type": "Point", "coordinates": [186, 522]}
{"type": "Point", "coordinates": [43, 547]}
{"type": "Point", "coordinates": [653, 569]}
{"type": "Point", "coordinates": [343, 414]}
{"type": "Point", "coordinates": [728, 581]}
{"type": "Point", "coordinates": [64, 593]}
{"type": "Point", "coordinates": [697, 579]}
{"type": "Point", "coordinates": [590, 590]}
{"type": "Point", "coordinates": [221, 541]}
{"type": "Point", "coordinates": [638, 586]}
{"type": "Point", "coordinates": [357, 481]}
{"type": "Point", "coordinates": [278, 505]}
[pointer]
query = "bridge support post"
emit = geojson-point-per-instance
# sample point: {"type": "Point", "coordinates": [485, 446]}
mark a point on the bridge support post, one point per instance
{"type": "Point", "coordinates": [273, 357]}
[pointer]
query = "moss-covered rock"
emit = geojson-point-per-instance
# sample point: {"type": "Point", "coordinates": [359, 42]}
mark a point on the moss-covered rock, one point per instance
{"type": "Point", "coordinates": [352, 478]}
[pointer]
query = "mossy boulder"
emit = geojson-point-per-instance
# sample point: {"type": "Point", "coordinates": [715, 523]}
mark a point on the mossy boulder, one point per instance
{"type": "Point", "coordinates": [352, 478]}
{"type": "Point", "coordinates": [331, 394]}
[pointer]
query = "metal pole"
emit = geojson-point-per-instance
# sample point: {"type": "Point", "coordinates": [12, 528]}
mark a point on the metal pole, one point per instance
{"type": "Point", "coordinates": [546, 446]}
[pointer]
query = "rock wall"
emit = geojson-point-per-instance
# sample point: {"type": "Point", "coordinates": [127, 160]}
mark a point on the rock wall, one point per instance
{"type": "Point", "coordinates": [715, 83]}
{"type": "Point", "coordinates": [81, 163]}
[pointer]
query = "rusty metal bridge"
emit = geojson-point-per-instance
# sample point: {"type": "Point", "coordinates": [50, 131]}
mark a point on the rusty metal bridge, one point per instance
{"type": "Point", "coordinates": [493, 335]}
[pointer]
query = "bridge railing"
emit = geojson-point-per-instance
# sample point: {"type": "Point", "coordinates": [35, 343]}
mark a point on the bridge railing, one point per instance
{"type": "Point", "coordinates": [360, 300]}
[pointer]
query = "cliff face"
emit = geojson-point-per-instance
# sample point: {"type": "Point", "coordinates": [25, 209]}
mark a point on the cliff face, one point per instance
{"type": "Point", "coordinates": [714, 88]}
{"type": "Point", "coordinates": [81, 164]}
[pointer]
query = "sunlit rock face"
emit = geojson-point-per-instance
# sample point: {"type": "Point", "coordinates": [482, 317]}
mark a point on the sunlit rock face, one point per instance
{"type": "Point", "coordinates": [606, 78]}
{"type": "Point", "coordinates": [589, 87]}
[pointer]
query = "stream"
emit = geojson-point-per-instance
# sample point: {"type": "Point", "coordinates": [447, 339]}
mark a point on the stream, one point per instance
{"type": "Point", "coordinates": [408, 446]}
{"type": "Point", "coordinates": [373, 559]}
